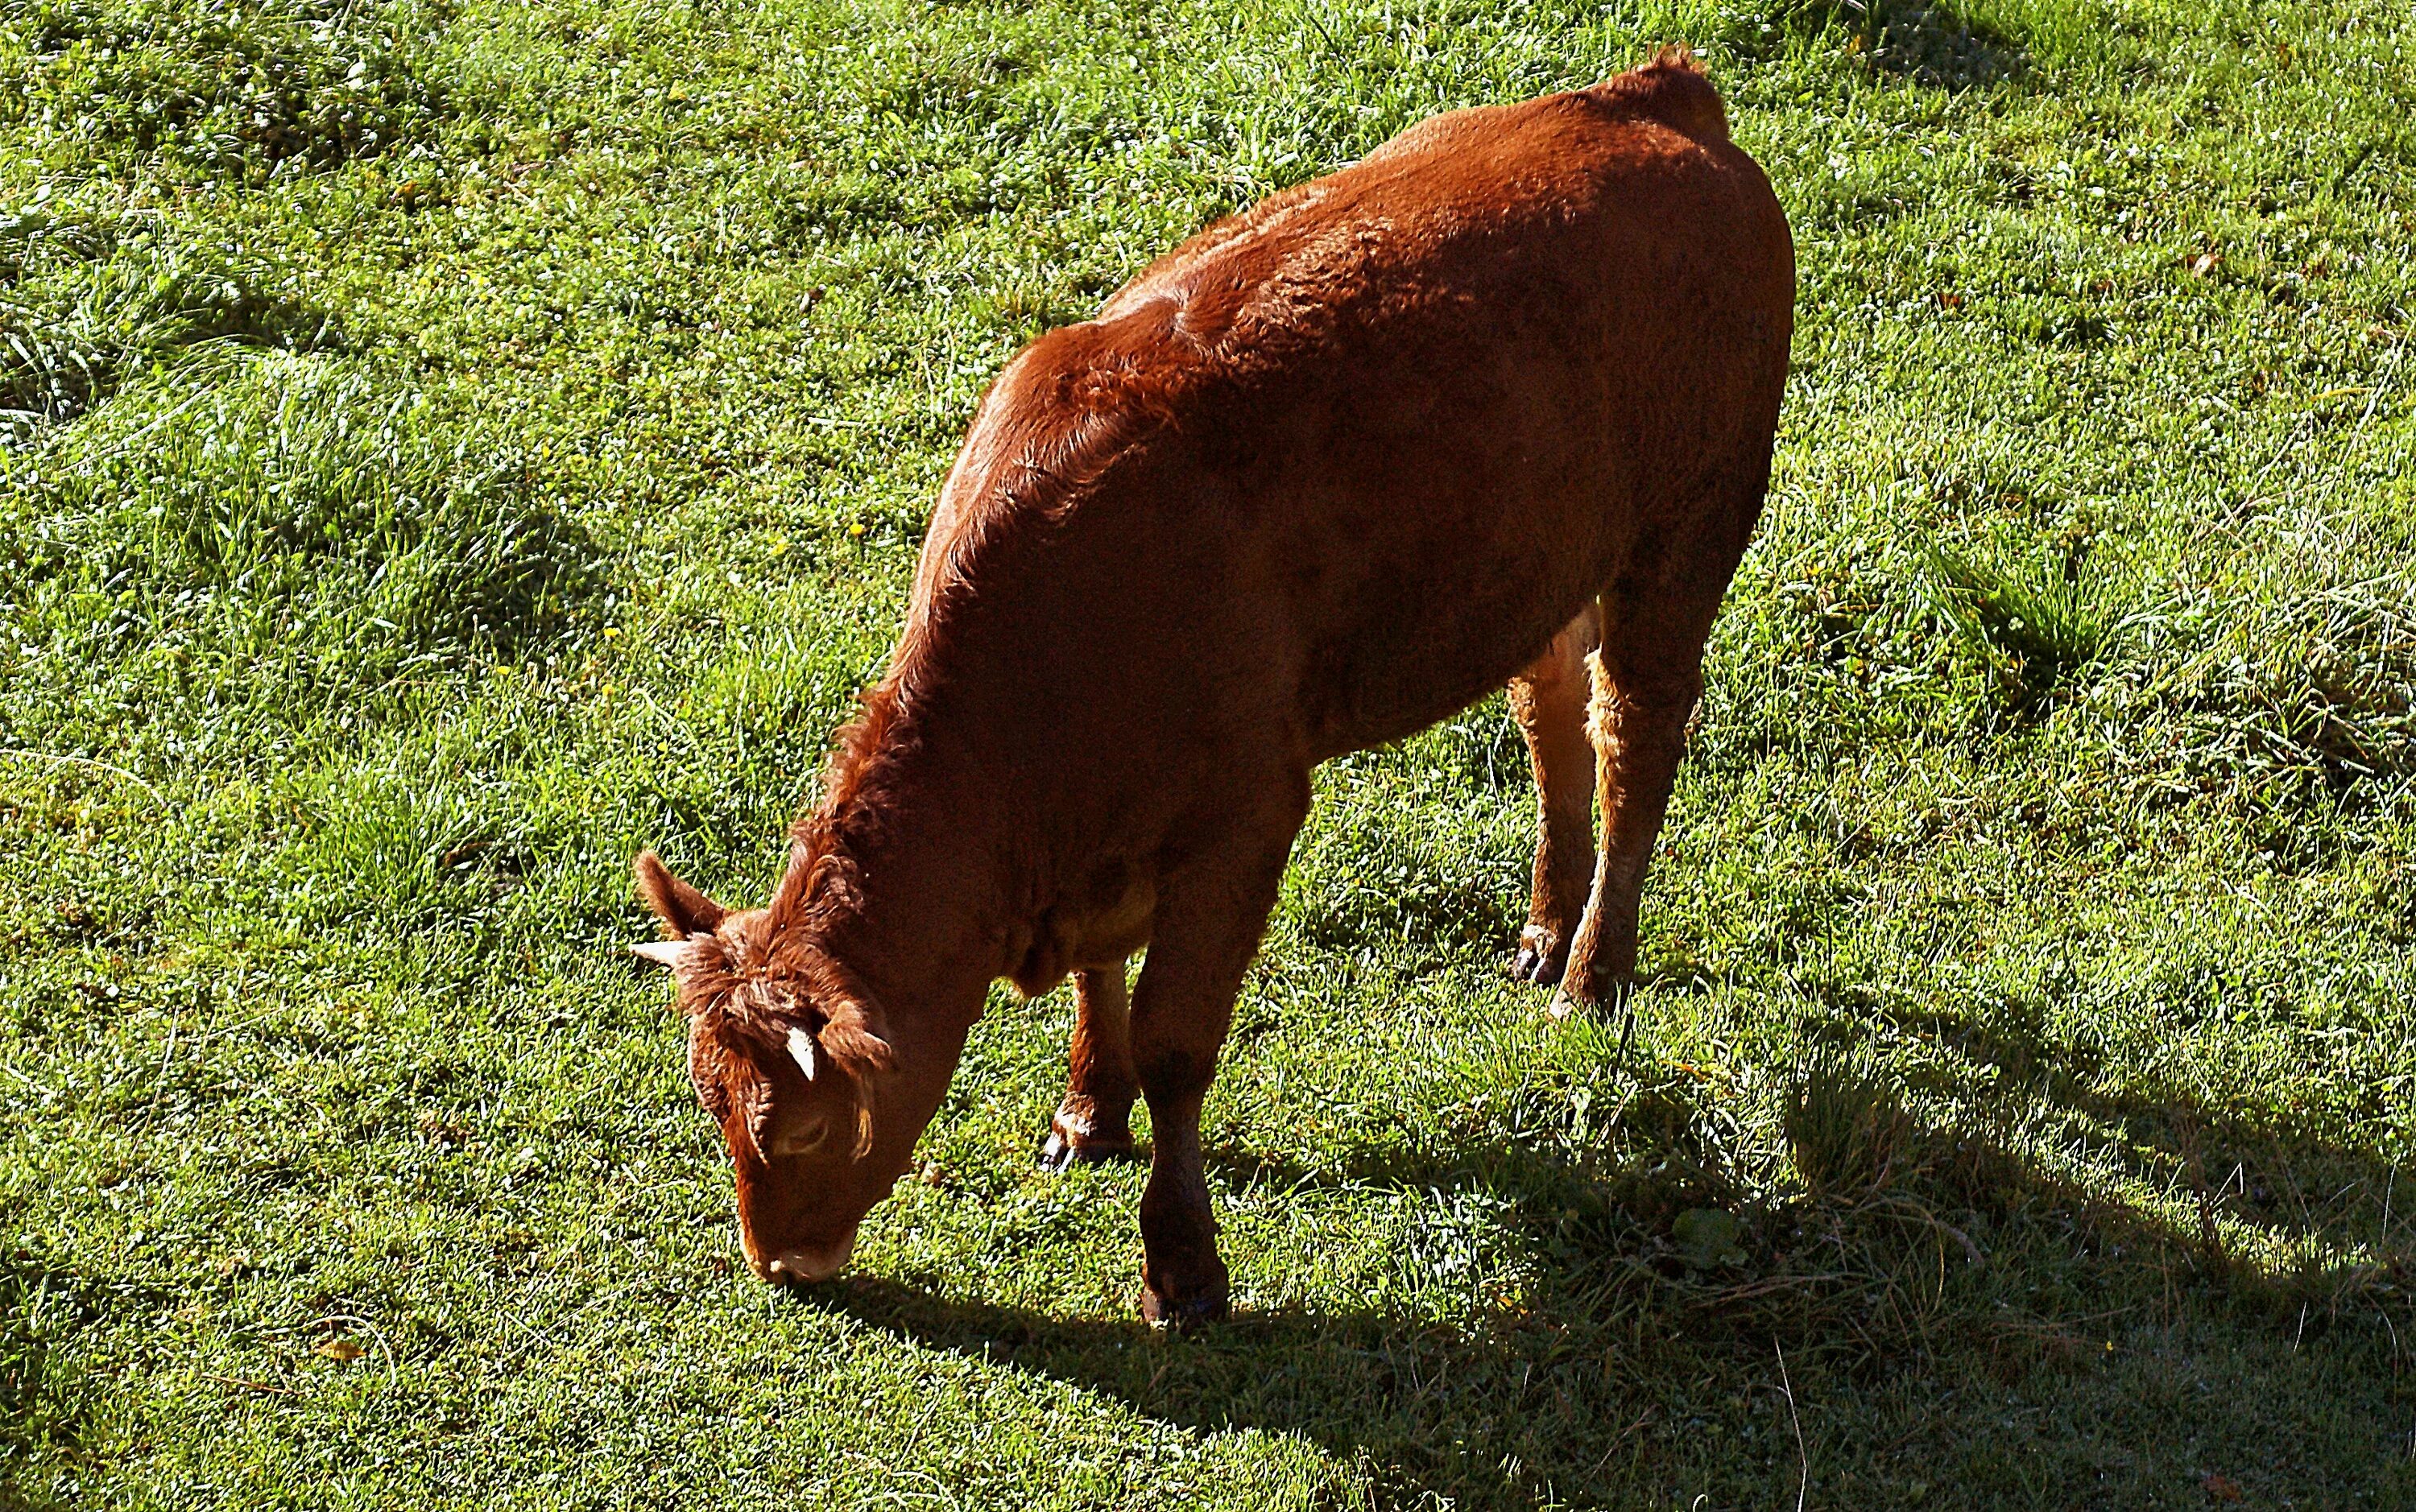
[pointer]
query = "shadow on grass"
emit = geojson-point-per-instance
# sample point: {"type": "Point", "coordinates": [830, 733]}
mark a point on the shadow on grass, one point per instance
{"type": "Point", "coordinates": [1631, 1365]}
{"type": "Point", "coordinates": [2305, 1196]}
{"type": "Point", "coordinates": [1929, 42]}
{"type": "Point", "coordinates": [43, 1407]}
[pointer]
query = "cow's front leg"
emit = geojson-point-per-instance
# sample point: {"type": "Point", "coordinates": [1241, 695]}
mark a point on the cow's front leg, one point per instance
{"type": "Point", "coordinates": [1093, 1123]}
{"type": "Point", "coordinates": [1210, 916]}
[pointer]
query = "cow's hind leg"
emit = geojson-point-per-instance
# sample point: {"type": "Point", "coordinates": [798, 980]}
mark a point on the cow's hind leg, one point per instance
{"type": "Point", "coordinates": [1549, 699]}
{"type": "Point", "coordinates": [1093, 1122]}
{"type": "Point", "coordinates": [1639, 725]}
{"type": "Point", "coordinates": [1648, 673]}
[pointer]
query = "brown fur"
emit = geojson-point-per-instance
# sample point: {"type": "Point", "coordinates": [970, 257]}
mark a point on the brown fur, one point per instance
{"type": "Point", "coordinates": [1493, 406]}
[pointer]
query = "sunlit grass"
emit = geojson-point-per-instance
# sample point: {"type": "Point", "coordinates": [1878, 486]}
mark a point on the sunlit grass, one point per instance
{"type": "Point", "coordinates": [452, 446]}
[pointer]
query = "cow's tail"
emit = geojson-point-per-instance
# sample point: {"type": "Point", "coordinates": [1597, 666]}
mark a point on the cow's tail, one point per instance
{"type": "Point", "coordinates": [1672, 90]}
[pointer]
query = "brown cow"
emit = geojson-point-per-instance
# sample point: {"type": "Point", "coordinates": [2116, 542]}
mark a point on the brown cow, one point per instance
{"type": "Point", "coordinates": [1494, 405]}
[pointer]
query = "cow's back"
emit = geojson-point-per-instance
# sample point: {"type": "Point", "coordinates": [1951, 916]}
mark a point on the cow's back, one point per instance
{"type": "Point", "coordinates": [1341, 465]}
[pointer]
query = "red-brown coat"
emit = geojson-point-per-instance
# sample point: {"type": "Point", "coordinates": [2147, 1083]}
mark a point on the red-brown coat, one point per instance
{"type": "Point", "coordinates": [1493, 405]}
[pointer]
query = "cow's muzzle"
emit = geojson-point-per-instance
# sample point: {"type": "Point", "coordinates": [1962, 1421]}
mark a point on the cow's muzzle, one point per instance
{"type": "Point", "coordinates": [806, 1263]}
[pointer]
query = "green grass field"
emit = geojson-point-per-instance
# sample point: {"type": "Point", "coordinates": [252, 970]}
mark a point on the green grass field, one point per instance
{"type": "Point", "coordinates": [454, 443]}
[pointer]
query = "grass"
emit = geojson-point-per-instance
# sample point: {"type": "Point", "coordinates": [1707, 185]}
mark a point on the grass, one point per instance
{"type": "Point", "coordinates": [452, 444]}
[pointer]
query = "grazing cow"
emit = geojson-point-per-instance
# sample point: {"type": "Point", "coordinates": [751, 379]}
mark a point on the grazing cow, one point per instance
{"type": "Point", "coordinates": [1493, 406]}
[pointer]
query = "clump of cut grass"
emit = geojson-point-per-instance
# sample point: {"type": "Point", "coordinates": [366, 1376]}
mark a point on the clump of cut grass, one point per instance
{"type": "Point", "coordinates": [2328, 683]}
{"type": "Point", "coordinates": [2355, 710]}
{"type": "Point", "coordinates": [225, 90]}
{"type": "Point", "coordinates": [86, 303]}
{"type": "Point", "coordinates": [1936, 45]}
{"type": "Point", "coordinates": [2034, 627]}
{"type": "Point", "coordinates": [41, 1409]}
{"type": "Point", "coordinates": [1845, 1125]}
{"type": "Point", "coordinates": [2293, 682]}
{"type": "Point", "coordinates": [313, 512]}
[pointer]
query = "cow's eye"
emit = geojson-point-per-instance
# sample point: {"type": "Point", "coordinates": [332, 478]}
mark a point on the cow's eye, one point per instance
{"type": "Point", "coordinates": [802, 1138]}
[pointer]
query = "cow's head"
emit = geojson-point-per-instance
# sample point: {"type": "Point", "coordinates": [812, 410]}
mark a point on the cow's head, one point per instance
{"type": "Point", "coordinates": [789, 1052]}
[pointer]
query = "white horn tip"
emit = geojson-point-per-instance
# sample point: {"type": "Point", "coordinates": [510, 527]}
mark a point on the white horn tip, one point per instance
{"type": "Point", "coordinates": [802, 1050]}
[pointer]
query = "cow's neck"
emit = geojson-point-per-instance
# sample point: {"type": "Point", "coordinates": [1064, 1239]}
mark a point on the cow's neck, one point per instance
{"type": "Point", "coordinates": [919, 902]}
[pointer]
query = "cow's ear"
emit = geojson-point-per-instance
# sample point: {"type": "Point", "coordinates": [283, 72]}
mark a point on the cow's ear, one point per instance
{"type": "Point", "coordinates": [682, 908]}
{"type": "Point", "coordinates": [857, 1038]}
{"type": "Point", "coordinates": [853, 1038]}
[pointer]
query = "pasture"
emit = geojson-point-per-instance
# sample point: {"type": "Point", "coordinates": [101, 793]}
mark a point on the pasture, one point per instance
{"type": "Point", "coordinates": [452, 444]}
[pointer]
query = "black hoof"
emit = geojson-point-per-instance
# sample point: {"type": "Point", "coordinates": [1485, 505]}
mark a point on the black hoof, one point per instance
{"type": "Point", "coordinates": [1538, 961]}
{"type": "Point", "coordinates": [1185, 1314]}
{"type": "Point", "coordinates": [1059, 1153]}
{"type": "Point", "coordinates": [1531, 965]}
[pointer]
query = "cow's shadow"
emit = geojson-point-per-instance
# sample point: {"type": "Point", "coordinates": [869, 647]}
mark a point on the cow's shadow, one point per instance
{"type": "Point", "coordinates": [2301, 1191]}
{"type": "Point", "coordinates": [1624, 1372]}
{"type": "Point", "coordinates": [1475, 1413]}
